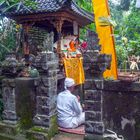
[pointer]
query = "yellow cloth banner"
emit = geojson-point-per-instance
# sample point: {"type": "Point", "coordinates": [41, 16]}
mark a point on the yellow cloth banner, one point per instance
{"type": "Point", "coordinates": [105, 33]}
{"type": "Point", "coordinates": [74, 69]}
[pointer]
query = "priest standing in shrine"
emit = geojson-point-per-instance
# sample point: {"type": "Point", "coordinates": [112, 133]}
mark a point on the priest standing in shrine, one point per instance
{"type": "Point", "coordinates": [70, 113]}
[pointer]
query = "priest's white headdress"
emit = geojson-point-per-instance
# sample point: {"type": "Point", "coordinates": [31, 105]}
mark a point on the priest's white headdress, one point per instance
{"type": "Point", "coordinates": [68, 83]}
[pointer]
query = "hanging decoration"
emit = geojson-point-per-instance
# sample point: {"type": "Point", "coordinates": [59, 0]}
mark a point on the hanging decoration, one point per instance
{"type": "Point", "coordinates": [105, 34]}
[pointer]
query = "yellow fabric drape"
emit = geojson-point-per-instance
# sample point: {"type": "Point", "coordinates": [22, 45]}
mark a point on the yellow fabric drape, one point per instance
{"type": "Point", "coordinates": [105, 33]}
{"type": "Point", "coordinates": [74, 69]}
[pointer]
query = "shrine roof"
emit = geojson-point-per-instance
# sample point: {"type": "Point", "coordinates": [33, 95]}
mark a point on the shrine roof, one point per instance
{"type": "Point", "coordinates": [47, 6]}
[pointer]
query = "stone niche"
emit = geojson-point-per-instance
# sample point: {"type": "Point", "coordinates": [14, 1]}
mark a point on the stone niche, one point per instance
{"type": "Point", "coordinates": [121, 108]}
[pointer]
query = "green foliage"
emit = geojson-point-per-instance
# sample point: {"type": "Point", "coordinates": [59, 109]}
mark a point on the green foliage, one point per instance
{"type": "Point", "coordinates": [133, 22]}
{"type": "Point", "coordinates": [17, 4]}
{"type": "Point", "coordinates": [7, 36]}
{"type": "Point", "coordinates": [83, 31]}
{"type": "Point", "coordinates": [128, 26]}
{"type": "Point", "coordinates": [86, 5]}
{"type": "Point", "coordinates": [53, 130]}
{"type": "Point", "coordinates": [121, 55]}
{"type": "Point", "coordinates": [134, 47]}
{"type": "Point", "coordinates": [8, 27]}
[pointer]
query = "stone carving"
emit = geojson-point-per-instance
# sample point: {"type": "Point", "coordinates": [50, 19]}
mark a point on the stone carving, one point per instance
{"type": "Point", "coordinates": [43, 62]}
{"type": "Point", "coordinates": [9, 101]}
{"type": "Point", "coordinates": [46, 90]}
{"type": "Point", "coordinates": [41, 120]}
{"type": "Point", "coordinates": [46, 102]}
{"type": "Point", "coordinates": [97, 64]}
{"type": "Point", "coordinates": [11, 67]}
{"type": "Point", "coordinates": [48, 42]}
{"type": "Point", "coordinates": [93, 115]}
{"type": "Point", "coordinates": [94, 62]}
{"type": "Point", "coordinates": [93, 40]}
{"type": "Point", "coordinates": [94, 127]}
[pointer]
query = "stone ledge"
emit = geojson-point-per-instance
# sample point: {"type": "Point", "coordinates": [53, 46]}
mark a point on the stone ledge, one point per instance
{"type": "Point", "coordinates": [34, 135]}
{"type": "Point", "coordinates": [8, 129]}
{"type": "Point", "coordinates": [8, 82]}
{"type": "Point", "coordinates": [6, 137]}
{"type": "Point", "coordinates": [46, 91]}
{"type": "Point", "coordinates": [49, 81]}
{"type": "Point", "coordinates": [94, 84]}
{"type": "Point", "coordinates": [121, 86]}
{"type": "Point", "coordinates": [9, 137]}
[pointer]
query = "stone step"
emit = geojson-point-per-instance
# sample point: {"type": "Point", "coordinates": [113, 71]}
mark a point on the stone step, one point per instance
{"type": "Point", "coordinates": [93, 137]}
{"type": "Point", "coordinates": [10, 137]}
{"type": "Point", "coordinates": [8, 129]}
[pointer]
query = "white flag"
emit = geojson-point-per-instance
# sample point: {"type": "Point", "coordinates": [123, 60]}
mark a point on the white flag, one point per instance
{"type": "Point", "coordinates": [138, 4]}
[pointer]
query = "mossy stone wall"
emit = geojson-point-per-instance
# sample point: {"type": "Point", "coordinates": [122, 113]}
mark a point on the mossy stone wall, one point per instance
{"type": "Point", "coordinates": [121, 108]}
{"type": "Point", "coordinates": [25, 101]}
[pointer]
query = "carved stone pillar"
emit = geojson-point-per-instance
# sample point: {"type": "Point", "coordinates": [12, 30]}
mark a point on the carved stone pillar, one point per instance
{"type": "Point", "coordinates": [93, 107]}
{"type": "Point", "coordinates": [95, 64]}
{"type": "Point", "coordinates": [45, 117]}
{"type": "Point", "coordinates": [8, 126]}
{"type": "Point", "coordinates": [45, 100]}
{"type": "Point", "coordinates": [8, 94]}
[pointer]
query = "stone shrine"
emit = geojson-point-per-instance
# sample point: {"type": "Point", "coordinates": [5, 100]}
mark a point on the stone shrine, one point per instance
{"type": "Point", "coordinates": [30, 100]}
{"type": "Point", "coordinates": [30, 97]}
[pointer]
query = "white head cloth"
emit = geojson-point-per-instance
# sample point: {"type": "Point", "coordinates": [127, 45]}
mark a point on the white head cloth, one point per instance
{"type": "Point", "coordinates": [68, 82]}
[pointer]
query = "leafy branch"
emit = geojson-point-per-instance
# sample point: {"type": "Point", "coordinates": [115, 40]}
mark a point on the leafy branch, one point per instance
{"type": "Point", "coordinates": [17, 4]}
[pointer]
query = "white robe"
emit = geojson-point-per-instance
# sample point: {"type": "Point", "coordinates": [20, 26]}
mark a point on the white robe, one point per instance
{"type": "Point", "coordinates": [69, 110]}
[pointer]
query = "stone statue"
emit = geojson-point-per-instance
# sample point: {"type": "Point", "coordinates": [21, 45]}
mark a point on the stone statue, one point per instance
{"type": "Point", "coordinates": [48, 42]}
